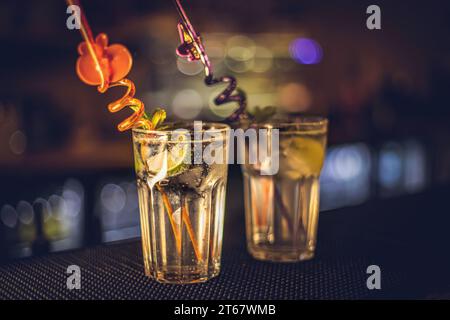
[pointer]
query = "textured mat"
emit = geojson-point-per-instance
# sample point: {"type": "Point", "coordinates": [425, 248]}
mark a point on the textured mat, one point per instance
{"type": "Point", "coordinates": [410, 250]}
{"type": "Point", "coordinates": [116, 272]}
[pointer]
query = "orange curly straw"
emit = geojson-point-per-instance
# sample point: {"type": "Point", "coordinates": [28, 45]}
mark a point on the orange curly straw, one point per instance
{"type": "Point", "coordinates": [107, 66]}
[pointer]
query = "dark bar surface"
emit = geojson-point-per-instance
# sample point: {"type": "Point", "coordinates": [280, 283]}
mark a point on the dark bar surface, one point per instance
{"type": "Point", "coordinates": [406, 237]}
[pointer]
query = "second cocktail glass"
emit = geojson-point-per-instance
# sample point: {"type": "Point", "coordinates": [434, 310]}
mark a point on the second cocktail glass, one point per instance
{"type": "Point", "coordinates": [282, 209]}
{"type": "Point", "coordinates": [182, 175]}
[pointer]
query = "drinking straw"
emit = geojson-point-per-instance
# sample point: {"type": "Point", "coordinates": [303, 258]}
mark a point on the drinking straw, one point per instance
{"type": "Point", "coordinates": [175, 228]}
{"type": "Point", "coordinates": [187, 221]}
{"type": "Point", "coordinates": [192, 48]}
{"type": "Point", "coordinates": [96, 50]}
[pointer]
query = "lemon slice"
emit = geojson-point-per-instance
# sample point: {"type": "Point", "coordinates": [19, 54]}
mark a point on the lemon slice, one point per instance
{"type": "Point", "coordinates": [301, 157]}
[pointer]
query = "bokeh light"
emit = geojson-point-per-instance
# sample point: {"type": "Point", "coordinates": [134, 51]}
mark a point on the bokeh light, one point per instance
{"type": "Point", "coordinates": [240, 54]}
{"type": "Point", "coordinates": [241, 48]}
{"type": "Point", "coordinates": [187, 104]}
{"type": "Point", "coordinates": [390, 166]}
{"type": "Point", "coordinates": [305, 51]}
{"type": "Point", "coordinates": [346, 174]}
{"type": "Point", "coordinates": [295, 97]}
{"type": "Point", "coordinates": [189, 68]}
{"type": "Point", "coordinates": [58, 206]}
{"type": "Point", "coordinates": [25, 212]}
{"type": "Point", "coordinates": [9, 216]}
{"type": "Point", "coordinates": [263, 60]}
{"type": "Point", "coordinates": [113, 198]}
{"type": "Point", "coordinates": [216, 49]}
{"type": "Point", "coordinates": [415, 166]}
{"type": "Point", "coordinates": [348, 163]}
{"type": "Point", "coordinates": [73, 197]}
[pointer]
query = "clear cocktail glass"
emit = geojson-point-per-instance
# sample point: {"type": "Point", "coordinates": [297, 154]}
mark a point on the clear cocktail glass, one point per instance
{"type": "Point", "coordinates": [182, 175]}
{"type": "Point", "coordinates": [282, 205]}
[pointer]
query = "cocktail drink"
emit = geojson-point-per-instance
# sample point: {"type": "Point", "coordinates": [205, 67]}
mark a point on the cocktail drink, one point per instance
{"type": "Point", "coordinates": [282, 209]}
{"type": "Point", "coordinates": [181, 177]}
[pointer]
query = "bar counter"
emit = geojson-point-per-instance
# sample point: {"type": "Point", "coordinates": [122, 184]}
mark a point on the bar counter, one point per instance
{"type": "Point", "coordinates": [406, 237]}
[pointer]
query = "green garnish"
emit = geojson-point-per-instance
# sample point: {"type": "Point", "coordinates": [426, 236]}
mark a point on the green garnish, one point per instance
{"type": "Point", "coordinates": [263, 114]}
{"type": "Point", "coordinates": [157, 118]}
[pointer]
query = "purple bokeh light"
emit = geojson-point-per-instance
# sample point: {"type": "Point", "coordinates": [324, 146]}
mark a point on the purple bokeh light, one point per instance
{"type": "Point", "coordinates": [305, 51]}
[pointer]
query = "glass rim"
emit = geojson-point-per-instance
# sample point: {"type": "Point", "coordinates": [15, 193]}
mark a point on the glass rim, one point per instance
{"type": "Point", "coordinates": [297, 124]}
{"type": "Point", "coordinates": [213, 127]}
{"type": "Point", "coordinates": [181, 127]}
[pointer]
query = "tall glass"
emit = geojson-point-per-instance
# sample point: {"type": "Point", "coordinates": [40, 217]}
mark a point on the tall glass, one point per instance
{"type": "Point", "coordinates": [181, 176]}
{"type": "Point", "coordinates": [282, 207]}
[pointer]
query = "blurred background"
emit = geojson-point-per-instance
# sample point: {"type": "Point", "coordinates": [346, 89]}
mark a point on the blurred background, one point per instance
{"type": "Point", "coordinates": [66, 173]}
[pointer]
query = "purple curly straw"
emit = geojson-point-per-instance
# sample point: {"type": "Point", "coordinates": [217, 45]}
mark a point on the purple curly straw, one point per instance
{"type": "Point", "coordinates": [192, 48]}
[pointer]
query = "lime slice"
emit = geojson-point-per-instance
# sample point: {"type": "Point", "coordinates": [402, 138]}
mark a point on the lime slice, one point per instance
{"type": "Point", "coordinates": [301, 157]}
{"type": "Point", "coordinates": [178, 155]}
{"type": "Point", "coordinates": [173, 156]}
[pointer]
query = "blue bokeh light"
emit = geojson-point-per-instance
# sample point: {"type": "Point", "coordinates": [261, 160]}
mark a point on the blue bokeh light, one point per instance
{"type": "Point", "coordinates": [305, 51]}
